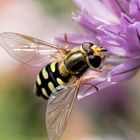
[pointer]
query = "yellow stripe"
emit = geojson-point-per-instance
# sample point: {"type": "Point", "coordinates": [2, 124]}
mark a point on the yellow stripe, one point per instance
{"type": "Point", "coordinates": [44, 92]}
{"type": "Point", "coordinates": [53, 66]}
{"type": "Point", "coordinates": [51, 87]}
{"type": "Point", "coordinates": [45, 73]}
{"type": "Point", "coordinates": [60, 82]}
{"type": "Point", "coordinates": [38, 80]}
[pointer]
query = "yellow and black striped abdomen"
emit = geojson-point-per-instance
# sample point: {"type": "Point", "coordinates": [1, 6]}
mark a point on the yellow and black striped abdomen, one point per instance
{"type": "Point", "coordinates": [49, 80]}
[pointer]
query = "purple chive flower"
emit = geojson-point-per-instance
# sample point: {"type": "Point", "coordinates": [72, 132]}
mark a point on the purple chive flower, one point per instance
{"type": "Point", "coordinates": [120, 35]}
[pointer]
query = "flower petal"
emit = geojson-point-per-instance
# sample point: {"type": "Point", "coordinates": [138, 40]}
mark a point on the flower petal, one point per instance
{"type": "Point", "coordinates": [112, 46]}
{"type": "Point", "coordinates": [100, 83]}
{"type": "Point", "coordinates": [113, 31]}
{"type": "Point", "coordinates": [74, 39]}
{"type": "Point", "coordinates": [124, 71]}
{"type": "Point", "coordinates": [133, 38]}
{"type": "Point", "coordinates": [125, 22]}
{"type": "Point", "coordinates": [118, 6]}
{"type": "Point", "coordinates": [96, 8]}
{"type": "Point", "coordinates": [135, 9]}
{"type": "Point", "coordinates": [87, 22]}
{"type": "Point", "coordinates": [114, 36]}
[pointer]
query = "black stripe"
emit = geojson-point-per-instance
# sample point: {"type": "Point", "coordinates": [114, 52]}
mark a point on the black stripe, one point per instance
{"type": "Point", "coordinates": [51, 78]}
{"type": "Point", "coordinates": [57, 74]}
{"type": "Point", "coordinates": [39, 92]}
{"type": "Point", "coordinates": [45, 82]}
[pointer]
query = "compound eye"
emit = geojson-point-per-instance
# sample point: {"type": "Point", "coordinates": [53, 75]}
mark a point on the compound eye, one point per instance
{"type": "Point", "coordinates": [94, 61]}
{"type": "Point", "coordinates": [86, 46]}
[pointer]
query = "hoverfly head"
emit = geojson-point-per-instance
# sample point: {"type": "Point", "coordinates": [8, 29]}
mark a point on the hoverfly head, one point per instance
{"type": "Point", "coordinates": [94, 54]}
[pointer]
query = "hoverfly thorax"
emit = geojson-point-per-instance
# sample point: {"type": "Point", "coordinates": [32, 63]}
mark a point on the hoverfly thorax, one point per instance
{"type": "Point", "coordinates": [93, 54]}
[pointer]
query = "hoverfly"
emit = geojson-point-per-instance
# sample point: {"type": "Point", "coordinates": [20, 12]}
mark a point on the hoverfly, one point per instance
{"type": "Point", "coordinates": [60, 79]}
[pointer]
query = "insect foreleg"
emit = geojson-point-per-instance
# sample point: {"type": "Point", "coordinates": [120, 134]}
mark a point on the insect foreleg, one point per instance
{"type": "Point", "coordinates": [103, 68]}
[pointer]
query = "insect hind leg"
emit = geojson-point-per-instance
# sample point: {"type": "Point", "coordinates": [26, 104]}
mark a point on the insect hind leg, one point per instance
{"type": "Point", "coordinates": [86, 87]}
{"type": "Point", "coordinates": [90, 87]}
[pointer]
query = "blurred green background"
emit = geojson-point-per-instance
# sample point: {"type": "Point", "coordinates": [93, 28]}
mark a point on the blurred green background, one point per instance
{"type": "Point", "coordinates": [58, 8]}
{"type": "Point", "coordinates": [113, 113]}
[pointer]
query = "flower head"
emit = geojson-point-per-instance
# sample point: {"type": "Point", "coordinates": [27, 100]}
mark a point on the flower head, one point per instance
{"type": "Point", "coordinates": [120, 35]}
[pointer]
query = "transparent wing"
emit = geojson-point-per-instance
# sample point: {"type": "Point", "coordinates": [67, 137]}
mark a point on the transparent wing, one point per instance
{"type": "Point", "coordinates": [29, 50]}
{"type": "Point", "coordinates": [58, 111]}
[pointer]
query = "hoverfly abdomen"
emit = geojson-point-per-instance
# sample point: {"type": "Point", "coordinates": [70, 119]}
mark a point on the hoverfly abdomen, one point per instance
{"type": "Point", "coordinates": [50, 80]}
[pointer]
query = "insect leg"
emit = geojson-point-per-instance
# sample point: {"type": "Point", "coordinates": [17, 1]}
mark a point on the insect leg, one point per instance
{"type": "Point", "coordinates": [103, 68]}
{"type": "Point", "coordinates": [66, 48]}
{"type": "Point", "coordinates": [85, 81]}
{"type": "Point", "coordinates": [87, 87]}
{"type": "Point", "coordinates": [90, 87]}
{"type": "Point", "coordinates": [86, 78]}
